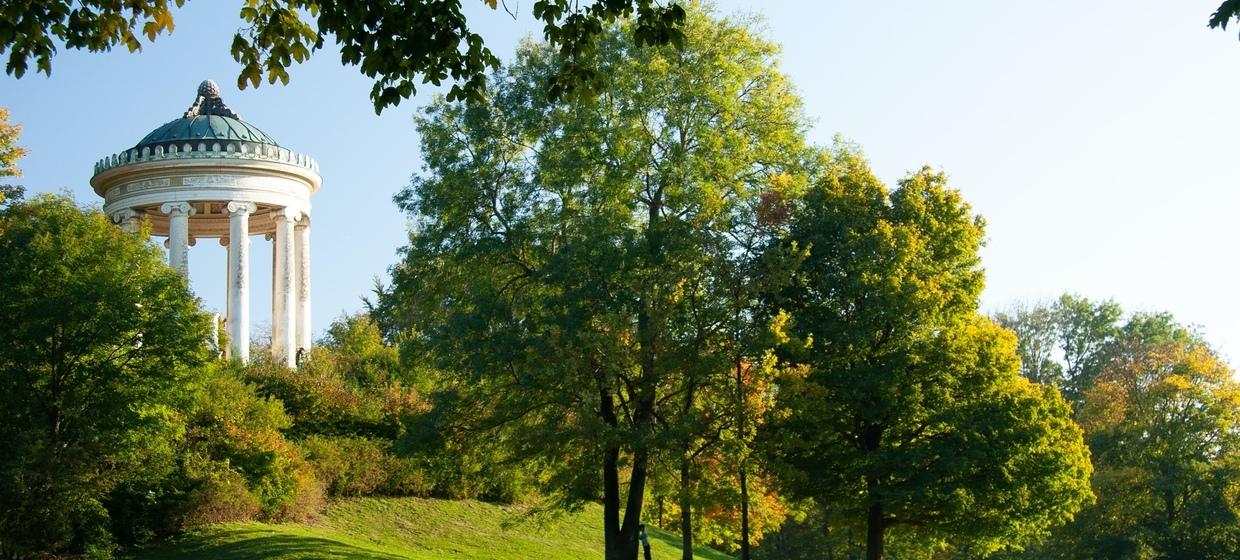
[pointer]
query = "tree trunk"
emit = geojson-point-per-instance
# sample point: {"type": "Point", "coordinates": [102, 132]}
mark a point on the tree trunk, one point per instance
{"type": "Point", "coordinates": [874, 525]}
{"type": "Point", "coordinates": [743, 433]}
{"type": "Point", "coordinates": [744, 514]}
{"type": "Point", "coordinates": [620, 539]}
{"type": "Point", "coordinates": [628, 545]}
{"type": "Point", "coordinates": [686, 510]}
{"type": "Point", "coordinates": [611, 485]}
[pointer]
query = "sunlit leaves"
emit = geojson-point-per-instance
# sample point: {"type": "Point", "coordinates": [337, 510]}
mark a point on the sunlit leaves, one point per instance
{"type": "Point", "coordinates": [10, 152]}
{"type": "Point", "coordinates": [909, 414]}
{"type": "Point", "coordinates": [398, 44]}
{"type": "Point", "coordinates": [99, 342]}
{"type": "Point", "coordinates": [569, 261]}
{"type": "Point", "coordinates": [32, 30]}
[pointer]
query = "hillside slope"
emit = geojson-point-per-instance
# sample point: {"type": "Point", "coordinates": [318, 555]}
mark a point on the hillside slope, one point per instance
{"type": "Point", "coordinates": [410, 528]}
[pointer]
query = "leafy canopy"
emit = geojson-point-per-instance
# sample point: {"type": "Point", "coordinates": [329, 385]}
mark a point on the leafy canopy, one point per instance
{"type": "Point", "coordinates": [99, 341]}
{"type": "Point", "coordinates": [564, 264]}
{"type": "Point", "coordinates": [1162, 419]}
{"type": "Point", "coordinates": [907, 411]}
{"type": "Point", "coordinates": [1064, 343]}
{"type": "Point", "coordinates": [395, 43]}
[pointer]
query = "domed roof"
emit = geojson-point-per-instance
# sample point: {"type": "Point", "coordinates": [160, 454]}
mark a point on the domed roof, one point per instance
{"type": "Point", "coordinates": [207, 119]}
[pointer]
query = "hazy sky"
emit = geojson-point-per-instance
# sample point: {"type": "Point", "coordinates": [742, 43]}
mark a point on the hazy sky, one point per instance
{"type": "Point", "coordinates": [1100, 139]}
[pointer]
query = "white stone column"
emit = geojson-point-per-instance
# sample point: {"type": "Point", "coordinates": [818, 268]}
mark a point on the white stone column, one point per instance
{"type": "Point", "coordinates": [284, 296]}
{"type": "Point", "coordinates": [239, 279]}
{"type": "Point", "coordinates": [302, 242]}
{"type": "Point", "coordinates": [129, 219]}
{"type": "Point", "coordinates": [178, 234]}
{"type": "Point", "coordinates": [228, 289]}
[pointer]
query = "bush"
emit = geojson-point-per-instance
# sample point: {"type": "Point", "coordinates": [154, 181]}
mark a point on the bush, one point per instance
{"type": "Point", "coordinates": [457, 465]}
{"type": "Point", "coordinates": [356, 466]}
{"type": "Point", "coordinates": [234, 441]}
{"type": "Point", "coordinates": [319, 403]}
{"type": "Point", "coordinates": [223, 495]}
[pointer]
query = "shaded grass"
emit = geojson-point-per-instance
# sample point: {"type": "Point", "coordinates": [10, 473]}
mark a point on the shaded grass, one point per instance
{"type": "Point", "coordinates": [411, 528]}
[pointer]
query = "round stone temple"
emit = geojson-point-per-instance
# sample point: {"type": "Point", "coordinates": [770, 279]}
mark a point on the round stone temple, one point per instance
{"type": "Point", "coordinates": [211, 175]}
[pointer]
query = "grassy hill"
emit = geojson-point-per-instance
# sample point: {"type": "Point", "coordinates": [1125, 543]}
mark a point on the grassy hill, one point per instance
{"type": "Point", "coordinates": [410, 528]}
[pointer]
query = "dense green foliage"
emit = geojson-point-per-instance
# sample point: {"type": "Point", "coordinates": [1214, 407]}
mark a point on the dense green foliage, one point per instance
{"type": "Point", "coordinates": [907, 412]}
{"type": "Point", "coordinates": [568, 268]}
{"type": "Point", "coordinates": [1160, 413]}
{"type": "Point", "coordinates": [119, 427]}
{"type": "Point", "coordinates": [1064, 344]}
{"type": "Point", "coordinates": [395, 43]}
{"type": "Point", "coordinates": [657, 305]}
{"type": "Point", "coordinates": [97, 338]}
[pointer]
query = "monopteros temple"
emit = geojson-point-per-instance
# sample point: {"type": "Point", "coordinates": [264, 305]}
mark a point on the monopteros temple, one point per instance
{"type": "Point", "coordinates": [210, 174]}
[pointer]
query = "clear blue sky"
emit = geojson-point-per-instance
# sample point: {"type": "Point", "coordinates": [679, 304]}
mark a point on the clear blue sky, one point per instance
{"type": "Point", "coordinates": [1100, 139]}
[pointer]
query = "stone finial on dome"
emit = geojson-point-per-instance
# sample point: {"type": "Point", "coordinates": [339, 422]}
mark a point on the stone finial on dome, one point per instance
{"type": "Point", "coordinates": [209, 102]}
{"type": "Point", "coordinates": [208, 89]}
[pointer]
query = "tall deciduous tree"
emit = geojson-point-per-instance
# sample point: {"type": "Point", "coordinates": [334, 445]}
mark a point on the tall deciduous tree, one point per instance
{"type": "Point", "coordinates": [1064, 343]}
{"type": "Point", "coordinates": [98, 338]}
{"type": "Point", "coordinates": [1162, 419]}
{"type": "Point", "coordinates": [563, 256]}
{"type": "Point", "coordinates": [395, 43]}
{"type": "Point", "coordinates": [909, 412]}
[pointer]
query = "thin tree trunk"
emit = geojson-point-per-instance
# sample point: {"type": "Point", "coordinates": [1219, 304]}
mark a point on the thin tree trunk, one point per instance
{"type": "Point", "coordinates": [611, 485]}
{"type": "Point", "coordinates": [686, 510]}
{"type": "Point", "coordinates": [628, 545]}
{"type": "Point", "coordinates": [744, 514]}
{"type": "Point", "coordinates": [874, 526]}
{"type": "Point", "coordinates": [743, 433]}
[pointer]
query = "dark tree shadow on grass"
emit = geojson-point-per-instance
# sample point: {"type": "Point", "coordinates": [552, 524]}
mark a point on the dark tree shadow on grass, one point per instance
{"type": "Point", "coordinates": [254, 545]}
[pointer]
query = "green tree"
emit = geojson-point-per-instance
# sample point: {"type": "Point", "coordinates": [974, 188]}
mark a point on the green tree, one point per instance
{"type": "Point", "coordinates": [98, 341]}
{"type": "Point", "coordinates": [1163, 423]}
{"type": "Point", "coordinates": [359, 352]}
{"type": "Point", "coordinates": [908, 412]}
{"type": "Point", "coordinates": [560, 263]}
{"type": "Point", "coordinates": [1064, 344]}
{"type": "Point", "coordinates": [1037, 335]}
{"type": "Point", "coordinates": [394, 43]}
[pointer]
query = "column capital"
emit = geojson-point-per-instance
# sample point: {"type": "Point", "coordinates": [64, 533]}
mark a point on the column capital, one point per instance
{"type": "Point", "coordinates": [177, 209]}
{"type": "Point", "coordinates": [303, 222]}
{"type": "Point", "coordinates": [240, 207]}
{"type": "Point", "coordinates": [224, 241]}
{"type": "Point", "coordinates": [124, 215]}
{"type": "Point", "coordinates": [286, 214]}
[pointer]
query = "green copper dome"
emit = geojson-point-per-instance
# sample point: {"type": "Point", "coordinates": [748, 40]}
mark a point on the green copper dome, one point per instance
{"type": "Point", "coordinates": [207, 119]}
{"type": "Point", "coordinates": [206, 127]}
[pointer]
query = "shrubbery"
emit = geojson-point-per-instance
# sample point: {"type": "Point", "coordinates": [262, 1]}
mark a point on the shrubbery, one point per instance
{"type": "Point", "coordinates": [357, 466]}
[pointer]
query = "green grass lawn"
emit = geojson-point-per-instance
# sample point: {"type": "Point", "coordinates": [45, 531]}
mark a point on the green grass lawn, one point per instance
{"type": "Point", "coordinates": [410, 528]}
